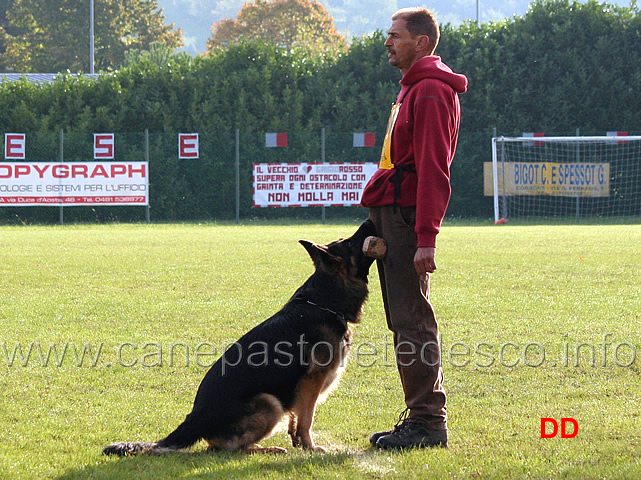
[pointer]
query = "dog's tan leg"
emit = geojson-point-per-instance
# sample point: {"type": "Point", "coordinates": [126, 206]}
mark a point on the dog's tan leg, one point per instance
{"type": "Point", "coordinates": [293, 422]}
{"type": "Point", "coordinates": [307, 393]}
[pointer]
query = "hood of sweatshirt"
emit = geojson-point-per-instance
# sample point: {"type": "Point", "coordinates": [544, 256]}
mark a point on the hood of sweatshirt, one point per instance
{"type": "Point", "coordinates": [431, 66]}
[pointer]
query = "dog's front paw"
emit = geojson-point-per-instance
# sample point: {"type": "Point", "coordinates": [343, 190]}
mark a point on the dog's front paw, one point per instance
{"type": "Point", "coordinates": [259, 449]}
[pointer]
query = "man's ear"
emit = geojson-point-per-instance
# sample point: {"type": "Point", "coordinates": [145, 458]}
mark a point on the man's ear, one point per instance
{"type": "Point", "coordinates": [319, 253]}
{"type": "Point", "coordinates": [422, 43]}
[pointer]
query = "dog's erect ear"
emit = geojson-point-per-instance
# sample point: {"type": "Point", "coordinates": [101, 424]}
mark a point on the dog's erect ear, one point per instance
{"type": "Point", "coordinates": [366, 229]}
{"type": "Point", "coordinates": [311, 249]}
{"type": "Point", "coordinates": [319, 253]}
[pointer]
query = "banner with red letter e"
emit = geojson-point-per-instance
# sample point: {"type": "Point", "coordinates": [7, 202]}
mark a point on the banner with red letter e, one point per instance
{"type": "Point", "coordinates": [14, 146]}
{"type": "Point", "coordinates": [188, 146]}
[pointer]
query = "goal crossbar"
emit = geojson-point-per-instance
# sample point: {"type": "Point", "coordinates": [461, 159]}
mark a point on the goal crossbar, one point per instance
{"type": "Point", "coordinates": [601, 138]}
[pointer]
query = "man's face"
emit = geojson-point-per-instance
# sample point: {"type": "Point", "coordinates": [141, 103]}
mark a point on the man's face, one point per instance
{"type": "Point", "coordinates": [401, 47]}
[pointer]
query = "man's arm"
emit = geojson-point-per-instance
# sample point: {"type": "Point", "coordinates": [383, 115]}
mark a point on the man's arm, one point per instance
{"type": "Point", "coordinates": [433, 151]}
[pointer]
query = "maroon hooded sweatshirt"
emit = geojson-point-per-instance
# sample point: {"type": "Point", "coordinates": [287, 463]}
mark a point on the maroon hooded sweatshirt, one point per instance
{"type": "Point", "coordinates": [423, 140]}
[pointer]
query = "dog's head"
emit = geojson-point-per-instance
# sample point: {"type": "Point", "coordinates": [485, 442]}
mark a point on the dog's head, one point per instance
{"type": "Point", "coordinates": [344, 256]}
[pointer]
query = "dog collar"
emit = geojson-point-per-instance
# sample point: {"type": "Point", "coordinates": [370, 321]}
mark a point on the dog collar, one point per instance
{"type": "Point", "coordinates": [339, 315]}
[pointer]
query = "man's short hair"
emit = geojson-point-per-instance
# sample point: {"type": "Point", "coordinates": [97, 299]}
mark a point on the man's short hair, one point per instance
{"type": "Point", "coordinates": [420, 21]}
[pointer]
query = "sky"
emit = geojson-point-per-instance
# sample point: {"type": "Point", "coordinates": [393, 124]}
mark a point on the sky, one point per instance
{"type": "Point", "coordinates": [352, 18]}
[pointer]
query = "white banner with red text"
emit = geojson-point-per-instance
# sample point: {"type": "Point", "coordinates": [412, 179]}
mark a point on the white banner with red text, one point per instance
{"type": "Point", "coordinates": [74, 183]}
{"type": "Point", "coordinates": [310, 184]}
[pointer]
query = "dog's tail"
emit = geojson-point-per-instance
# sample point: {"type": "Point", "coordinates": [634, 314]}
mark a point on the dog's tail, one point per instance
{"type": "Point", "coordinates": [184, 436]}
{"type": "Point", "coordinates": [129, 448]}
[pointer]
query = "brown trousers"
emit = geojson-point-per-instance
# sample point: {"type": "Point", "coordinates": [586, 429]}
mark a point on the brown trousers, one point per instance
{"type": "Point", "coordinates": [410, 317]}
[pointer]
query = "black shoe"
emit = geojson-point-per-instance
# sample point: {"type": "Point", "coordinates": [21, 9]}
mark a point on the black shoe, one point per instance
{"type": "Point", "coordinates": [411, 434]}
{"type": "Point", "coordinates": [375, 436]}
{"type": "Point", "coordinates": [401, 420]}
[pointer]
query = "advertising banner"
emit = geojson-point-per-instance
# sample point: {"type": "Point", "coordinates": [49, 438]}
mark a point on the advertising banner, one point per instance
{"type": "Point", "coordinates": [73, 183]}
{"type": "Point", "coordinates": [310, 184]}
{"type": "Point", "coordinates": [549, 178]}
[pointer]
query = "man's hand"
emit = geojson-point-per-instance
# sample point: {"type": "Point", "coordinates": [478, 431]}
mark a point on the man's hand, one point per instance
{"type": "Point", "coordinates": [424, 261]}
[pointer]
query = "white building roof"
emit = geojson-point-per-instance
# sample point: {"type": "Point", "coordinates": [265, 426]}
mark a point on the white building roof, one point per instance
{"type": "Point", "coordinates": [39, 77]}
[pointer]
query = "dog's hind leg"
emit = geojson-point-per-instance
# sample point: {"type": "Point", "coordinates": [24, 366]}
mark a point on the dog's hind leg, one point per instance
{"type": "Point", "coordinates": [264, 412]}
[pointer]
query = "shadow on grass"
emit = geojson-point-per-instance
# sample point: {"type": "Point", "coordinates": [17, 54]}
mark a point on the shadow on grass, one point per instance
{"type": "Point", "coordinates": [203, 464]}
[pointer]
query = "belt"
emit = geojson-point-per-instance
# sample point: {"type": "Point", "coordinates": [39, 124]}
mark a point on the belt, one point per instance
{"type": "Point", "coordinates": [397, 180]}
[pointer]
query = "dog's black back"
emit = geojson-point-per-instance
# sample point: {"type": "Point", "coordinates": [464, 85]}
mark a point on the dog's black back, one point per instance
{"type": "Point", "coordinates": [268, 370]}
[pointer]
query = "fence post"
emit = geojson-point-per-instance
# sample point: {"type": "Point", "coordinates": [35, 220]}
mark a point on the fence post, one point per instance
{"type": "Point", "coordinates": [237, 168]}
{"type": "Point", "coordinates": [148, 208]}
{"type": "Point", "coordinates": [578, 194]}
{"type": "Point", "coordinates": [62, 154]}
{"type": "Point", "coordinates": [323, 161]}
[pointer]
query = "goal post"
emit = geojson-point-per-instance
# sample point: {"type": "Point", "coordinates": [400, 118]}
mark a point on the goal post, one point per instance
{"type": "Point", "coordinates": [573, 177]}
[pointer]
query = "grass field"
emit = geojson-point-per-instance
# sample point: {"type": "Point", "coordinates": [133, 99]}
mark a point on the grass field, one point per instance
{"type": "Point", "coordinates": [536, 321]}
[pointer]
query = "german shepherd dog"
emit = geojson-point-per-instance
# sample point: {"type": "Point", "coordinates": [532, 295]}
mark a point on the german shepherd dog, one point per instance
{"type": "Point", "coordinates": [283, 365]}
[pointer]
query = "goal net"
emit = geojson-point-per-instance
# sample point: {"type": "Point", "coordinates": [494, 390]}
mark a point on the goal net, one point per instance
{"type": "Point", "coordinates": [573, 177]}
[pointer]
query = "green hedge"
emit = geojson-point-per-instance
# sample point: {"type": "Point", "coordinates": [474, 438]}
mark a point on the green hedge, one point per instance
{"type": "Point", "coordinates": [561, 67]}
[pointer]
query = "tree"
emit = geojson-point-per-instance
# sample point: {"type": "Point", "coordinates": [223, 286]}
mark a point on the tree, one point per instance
{"type": "Point", "coordinates": [55, 35]}
{"type": "Point", "coordinates": [159, 54]}
{"type": "Point", "coordinates": [5, 31]}
{"type": "Point", "coordinates": [285, 23]}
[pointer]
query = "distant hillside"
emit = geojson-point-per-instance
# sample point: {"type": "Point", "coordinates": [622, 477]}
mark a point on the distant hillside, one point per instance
{"type": "Point", "coordinates": [351, 17]}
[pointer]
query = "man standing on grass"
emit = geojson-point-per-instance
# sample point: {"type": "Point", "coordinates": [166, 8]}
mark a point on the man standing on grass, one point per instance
{"type": "Point", "coordinates": [407, 198]}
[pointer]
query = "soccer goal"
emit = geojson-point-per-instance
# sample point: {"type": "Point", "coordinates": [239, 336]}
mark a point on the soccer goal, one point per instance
{"type": "Point", "coordinates": [571, 177]}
